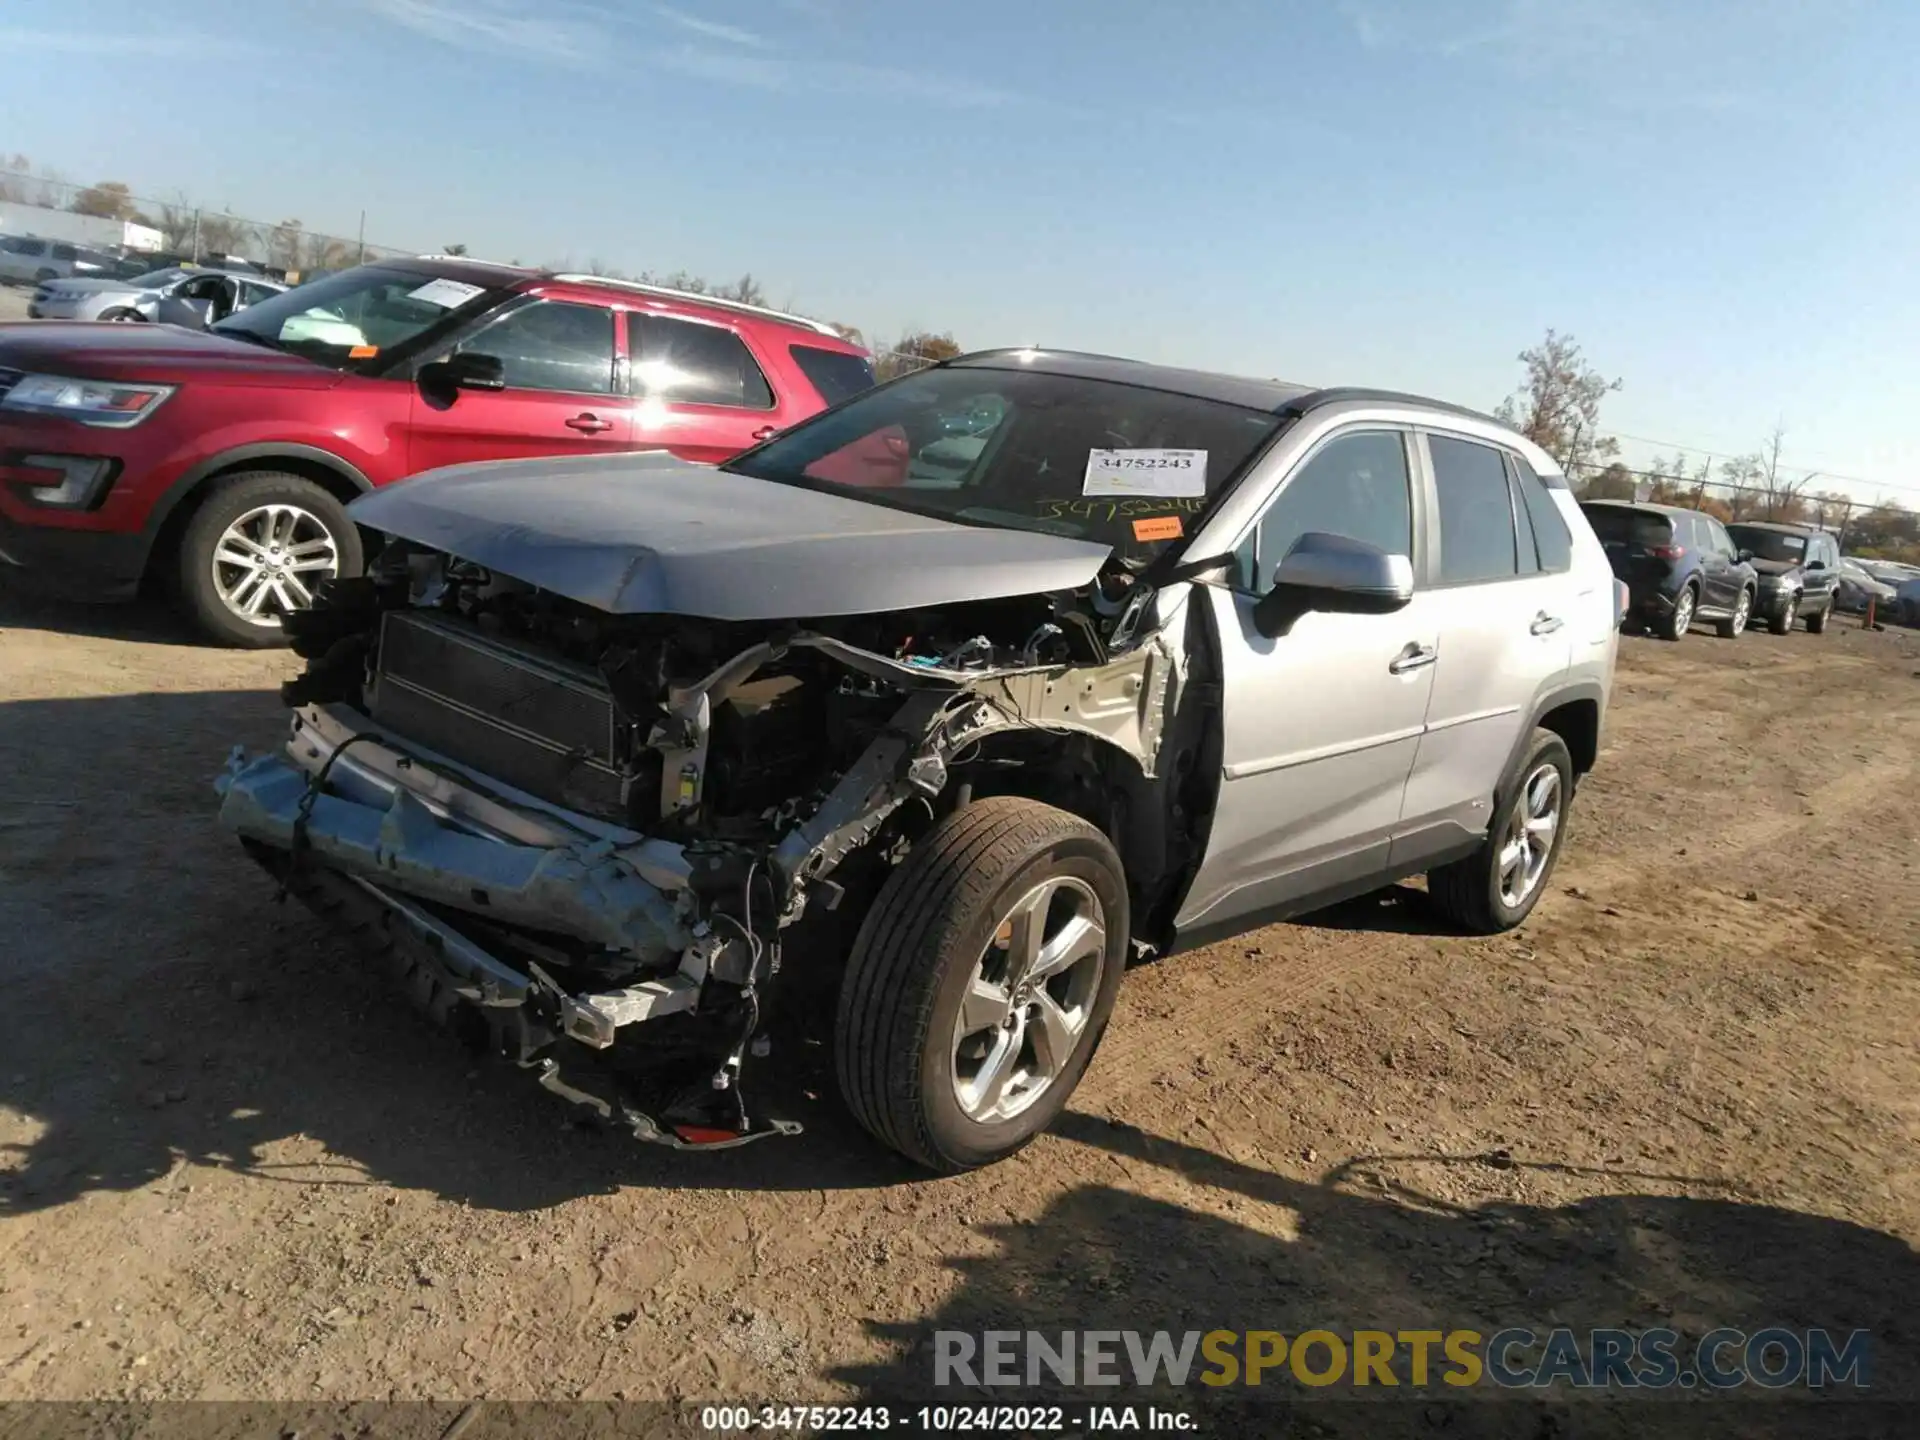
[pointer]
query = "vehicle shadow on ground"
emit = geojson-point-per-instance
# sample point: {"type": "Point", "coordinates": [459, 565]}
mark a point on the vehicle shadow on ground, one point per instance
{"type": "Point", "coordinates": [165, 1010]}
{"type": "Point", "coordinates": [148, 619]}
{"type": "Point", "coordinates": [1185, 1239]}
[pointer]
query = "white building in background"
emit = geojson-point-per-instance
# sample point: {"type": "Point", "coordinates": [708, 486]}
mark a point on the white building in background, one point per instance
{"type": "Point", "coordinates": [90, 230]}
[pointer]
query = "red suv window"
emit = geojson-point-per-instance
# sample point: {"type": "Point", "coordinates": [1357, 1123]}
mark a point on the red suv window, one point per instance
{"type": "Point", "coordinates": [695, 364]}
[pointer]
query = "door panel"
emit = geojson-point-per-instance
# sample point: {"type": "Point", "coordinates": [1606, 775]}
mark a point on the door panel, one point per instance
{"type": "Point", "coordinates": [700, 392]}
{"type": "Point", "coordinates": [559, 358]}
{"type": "Point", "coordinates": [1505, 635]}
{"type": "Point", "coordinates": [1319, 725]}
{"type": "Point", "coordinates": [1318, 735]}
{"type": "Point", "coordinates": [1499, 652]}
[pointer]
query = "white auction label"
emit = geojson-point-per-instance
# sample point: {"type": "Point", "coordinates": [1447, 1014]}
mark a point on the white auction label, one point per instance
{"type": "Point", "coordinates": [1172, 474]}
{"type": "Point", "coordinates": [447, 294]}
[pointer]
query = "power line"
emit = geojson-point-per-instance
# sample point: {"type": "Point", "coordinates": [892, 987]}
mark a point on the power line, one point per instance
{"type": "Point", "coordinates": [1806, 470]}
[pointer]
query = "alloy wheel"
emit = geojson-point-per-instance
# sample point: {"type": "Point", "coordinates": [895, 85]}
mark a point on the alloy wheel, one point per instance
{"type": "Point", "coordinates": [1683, 612]}
{"type": "Point", "coordinates": [1742, 608]}
{"type": "Point", "coordinates": [1527, 840]}
{"type": "Point", "coordinates": [270, 560]}
{"type": "Point", "coordinates": [1029, 1000]}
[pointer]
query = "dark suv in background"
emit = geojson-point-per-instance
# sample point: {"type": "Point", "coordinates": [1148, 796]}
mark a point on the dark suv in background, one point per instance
{"type": "Point", "coordinates": [1678, 566]}
{"type": "Point", "coordinates": [1799, 569]}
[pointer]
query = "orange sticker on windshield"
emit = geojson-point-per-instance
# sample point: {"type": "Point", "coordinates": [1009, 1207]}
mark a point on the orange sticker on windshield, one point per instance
{"type": "Point", "coordinates": [363, 352]}
{"type": "Point", "coordinates": [1160, 527]}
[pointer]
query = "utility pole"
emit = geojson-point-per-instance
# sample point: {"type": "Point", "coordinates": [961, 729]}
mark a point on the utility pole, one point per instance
{"type": "Point", "coordinates": [196, 234]}
{"type": "Point", "coordinates": [363, 239]}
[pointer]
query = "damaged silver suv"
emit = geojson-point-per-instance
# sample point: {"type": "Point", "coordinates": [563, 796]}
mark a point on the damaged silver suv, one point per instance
{"type": "Point", "coordinates": [964, 693]}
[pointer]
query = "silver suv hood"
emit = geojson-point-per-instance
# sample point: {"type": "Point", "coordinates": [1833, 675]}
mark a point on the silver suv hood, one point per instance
{"type": "Point", "coordinates": [646, 533]}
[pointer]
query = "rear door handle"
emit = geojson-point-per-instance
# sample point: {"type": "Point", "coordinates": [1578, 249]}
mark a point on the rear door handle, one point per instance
{"type": "Point", "coordinates": [1545, 624]}
{"type": "Point", "coordinates": [589, 424]}
{"type": "Point", "coordinates": [1415, 657]}
{"type": "Point", "coordinates": [766, 432]}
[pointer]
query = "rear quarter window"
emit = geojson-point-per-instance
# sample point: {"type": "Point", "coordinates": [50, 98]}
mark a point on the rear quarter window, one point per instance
{"type": "Point", "coordinates": [1617, 525]}
{"type": "Point", "coordinates": [1550, 534]}
{"type": "Point", "coordinates": [834, 373]}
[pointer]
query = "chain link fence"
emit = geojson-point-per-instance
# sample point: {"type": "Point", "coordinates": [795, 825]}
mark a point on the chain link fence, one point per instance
{"type": "Point", "coordinates": [109, 216]}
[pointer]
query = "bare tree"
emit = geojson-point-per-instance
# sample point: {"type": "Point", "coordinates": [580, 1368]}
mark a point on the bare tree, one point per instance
{"type": "Point", "coordinates": [915, 351]}
{"type": "Point", "coordinates": [175, 223]}
{"type": "Point", "coordinates": [1781, 491]}
{"type": "Point", "coordinates": [284, 245]}
{"type": "Point", "coordinates": [454, 250]}
{"type": "Point", "coordinates": [1558, 408]}
{"type": "Point", "coordinates": [324, 252]}
{"type": "Point", "coordinates": [224, 234]}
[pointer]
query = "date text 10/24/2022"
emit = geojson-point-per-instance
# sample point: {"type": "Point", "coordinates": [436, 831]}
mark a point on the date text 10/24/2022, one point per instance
{"type": "Point", "coordinates": [943, 1419]}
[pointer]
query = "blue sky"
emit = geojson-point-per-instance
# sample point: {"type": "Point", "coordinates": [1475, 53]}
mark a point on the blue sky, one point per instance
{"type": "Point", "coordinates": [1717, 197]}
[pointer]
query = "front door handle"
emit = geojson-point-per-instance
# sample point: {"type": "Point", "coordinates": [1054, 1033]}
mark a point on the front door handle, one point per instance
{"type": "Point", "coordinates": [766, 432]}
{"type": "Point", "coordinates": [589, 424]}
{"type": "Point", "coordinates": [1545, 624]}
{"type": "Point", "coordinates": [1415, 657]}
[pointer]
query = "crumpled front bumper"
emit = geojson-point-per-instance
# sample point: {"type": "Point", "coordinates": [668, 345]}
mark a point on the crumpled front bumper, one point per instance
{"type": "Point", "coordinates": [586, 889]}
{"type": "Point", "coordinates": [386, 840]}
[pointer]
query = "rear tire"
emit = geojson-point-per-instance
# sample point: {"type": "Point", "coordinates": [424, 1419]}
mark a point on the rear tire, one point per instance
{"type": "Point", "coordinates": [311, 527]}
{"type": "Point", "coordinates": [931, 949]}
{"type": "Point", "coordinates": [1781, 621]}
{"type": "Point", "coordinates": [1475, 893]}
{"type": "Point", "coordinates": [1677, 621]}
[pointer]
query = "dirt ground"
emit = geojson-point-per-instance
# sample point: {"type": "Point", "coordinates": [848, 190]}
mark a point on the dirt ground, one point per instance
{"type": "Point", "coordinates": [234, 1166]}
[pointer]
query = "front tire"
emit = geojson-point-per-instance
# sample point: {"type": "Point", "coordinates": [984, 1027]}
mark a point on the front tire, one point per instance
{"type": "Point", "coordinates": [122, 315]}
{"type": "Point", "coordinates": [1781, 621]}
{"type": "Point", "coordinates": [1817, 622]}
{"type": "Point", "coordinates": [1497, 886]}
{"type": "Point", "coordinates": [981, 982]}
{"type": "Point", "coordinates": [258, 548]}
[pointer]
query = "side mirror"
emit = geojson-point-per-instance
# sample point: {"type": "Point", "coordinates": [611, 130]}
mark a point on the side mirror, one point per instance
{"type": "Point", "coordinates": [463, 370]}
{"type": "Point", "coordinates": [1336, 574]}
{"type": "Point", "coordinates": [1743, 556]}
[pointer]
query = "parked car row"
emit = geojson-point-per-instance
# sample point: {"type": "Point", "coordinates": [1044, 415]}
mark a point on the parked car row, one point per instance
{"type": "Point", "coordinates": [29, 260]}
{"type": "Point", "coordinates": [1684, 565]}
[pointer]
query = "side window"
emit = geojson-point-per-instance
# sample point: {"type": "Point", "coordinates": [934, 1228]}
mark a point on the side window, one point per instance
{"type": "Point", "coordinates": [1717, 536]}
{"type": "Point", "coordinates": [694, 364]}
{"type": "Point", "coordinates": [251, 294]}
{"type": "Point", "coordinates": [1527, 548]}
{"type": "Point", "coordinates": [551, 345]}
{"type": "Point", "coordinates": [1476, 512]}
{"type": "Point", "coordinates": [63, 251]}
{"type": "Point", "coordinates": [1551, 538]}
{"type": "Point", "coordinates": [1356, 485]}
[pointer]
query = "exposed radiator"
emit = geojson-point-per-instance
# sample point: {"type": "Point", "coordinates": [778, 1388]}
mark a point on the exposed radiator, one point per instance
{"type": "Point", "coordinates": [520, 717]}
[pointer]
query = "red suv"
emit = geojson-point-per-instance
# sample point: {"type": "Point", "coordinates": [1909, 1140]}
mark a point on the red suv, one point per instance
{"type": "Point", "coordinates": [224, 460]}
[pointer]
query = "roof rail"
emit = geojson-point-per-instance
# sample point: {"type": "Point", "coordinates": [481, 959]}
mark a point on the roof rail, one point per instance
{"type": "Point", "coordinates": [1336, 394]}
{"type": "Point", "coordinates": [476, 260]}
{"type": "Point", "coordinates": [665, 293]}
